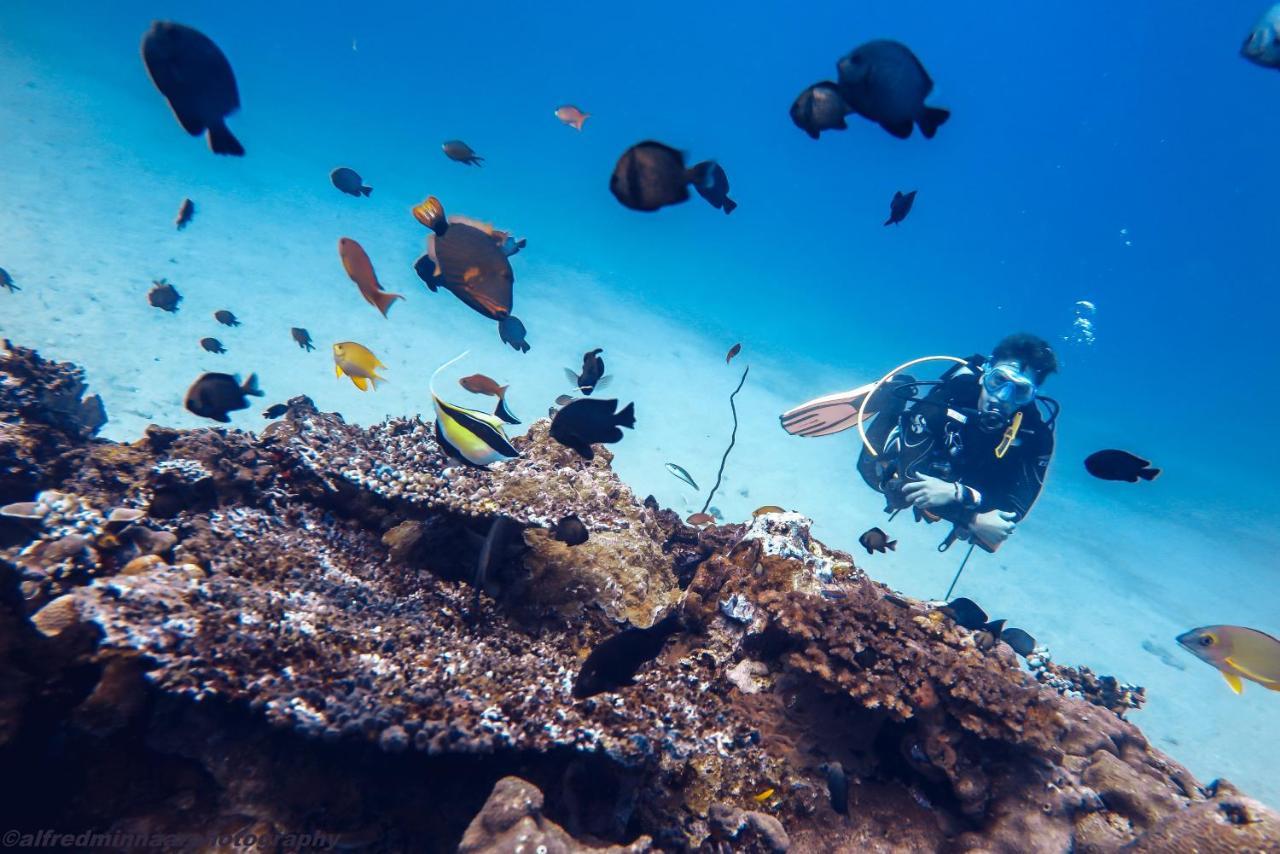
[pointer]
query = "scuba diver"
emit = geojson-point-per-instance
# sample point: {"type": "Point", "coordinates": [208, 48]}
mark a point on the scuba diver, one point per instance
{"type": "Point", "coordinates": [973, 450]}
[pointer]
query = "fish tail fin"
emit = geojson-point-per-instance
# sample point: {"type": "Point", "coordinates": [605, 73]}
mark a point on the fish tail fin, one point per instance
{"type": "Point", "coordinates": [431, 214]}
{"type": "Point", "coordinates": [222, 141]}
{"type": "Point", "coordinates": [502, 391]}
{"type": "Point", "coordinates": [889, 221]}
{"type": "Point", "coordinates": [580, 121]}
{"type": "Point", "coordinates": [932, 119]}
{"type": "Point", "coordinates": [892, 545]}
{"type": "Point", "coordinates": [1149, 473]}
{"type": "Point", "coordinates": [627, 416]}
{"type": "Point", "coordinates": [251, 386]}
{"type": "Point", "coordinates": [729, 205]}
{"type": "Point", "coordinates": [365, 191]}
{"type": "Point", "coordinates": [384, 299]}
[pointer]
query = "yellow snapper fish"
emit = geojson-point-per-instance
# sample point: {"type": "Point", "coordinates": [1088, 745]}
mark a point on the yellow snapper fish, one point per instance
{"type": "Point", "coordinates": [1237, 652]}
{"type": "Point", "coordinates": [469, 435]}
{"type": "Point", "coordinates": [357, 362]}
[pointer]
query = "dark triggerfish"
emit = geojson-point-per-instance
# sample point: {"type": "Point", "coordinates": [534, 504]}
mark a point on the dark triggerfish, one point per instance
{"type": "Point", "coordinates": [195, 77]}
{"type": "Point", "coordinates": [467, 257]}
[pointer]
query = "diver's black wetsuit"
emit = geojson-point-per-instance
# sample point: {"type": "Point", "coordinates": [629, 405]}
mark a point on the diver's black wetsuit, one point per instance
{"type": "Point", "coordinates": [941, 435]}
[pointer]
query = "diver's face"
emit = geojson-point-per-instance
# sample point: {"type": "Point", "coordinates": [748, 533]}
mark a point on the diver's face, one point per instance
{"type": "Point", "coordinates": [1006, 387]}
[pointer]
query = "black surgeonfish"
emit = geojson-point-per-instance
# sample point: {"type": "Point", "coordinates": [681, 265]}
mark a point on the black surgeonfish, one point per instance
{"type": "Point", "coordinates": [1120, 465]}
{"type": "Point", "coordinates": [651, 175]}
{"type": "Point", "coordinates": [884, 81]}
{"type": "Point", "coordinates": [215, 395]}
{"type": "Point", "coordinates": [966, 613]}
{"type": "Point", "coordinates": [587, 420]}
{"type": "Point", "coordinates": [877, 540]}
{"type": "Point", "coordinates": [900, 206]}
{"type": "Point", "coordinates": [820, 108]}
{"type": "Point", "coordinates": [275, 410]}
{"type": "Point", "coordinates": [613, 664]}
{"type": "Point", "coordinates": [592, 374]}
{"type": "Point", "coordinates": [195, 77]}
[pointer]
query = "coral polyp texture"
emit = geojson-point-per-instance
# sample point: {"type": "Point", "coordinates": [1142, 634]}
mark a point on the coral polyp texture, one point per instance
{"type": "Point", "coordinates": [211, 630]}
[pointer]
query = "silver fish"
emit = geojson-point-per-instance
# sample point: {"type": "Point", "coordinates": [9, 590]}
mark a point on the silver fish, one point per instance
{"type": "Point", "coordinates": [679, 472]}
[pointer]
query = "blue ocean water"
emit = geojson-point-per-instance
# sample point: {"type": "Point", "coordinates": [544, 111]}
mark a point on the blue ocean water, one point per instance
{"type": "Point", "coordinates": [1095, 152]}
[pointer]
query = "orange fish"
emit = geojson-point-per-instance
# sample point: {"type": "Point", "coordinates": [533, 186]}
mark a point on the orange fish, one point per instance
{"type": "Point", "coordinates": [700, 519]}
{"type": "Point", "coordinates": [572, 116]}
{"type": "Point", "coordinates": [733, 351]}
{"type": "Point", "coordinates": [358, 266]}
{"type": "Point", "coordinates": [481, 384]}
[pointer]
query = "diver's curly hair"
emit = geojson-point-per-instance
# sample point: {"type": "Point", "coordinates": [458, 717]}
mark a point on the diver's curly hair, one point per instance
{"type": "Point", "coordinates": [1031, 350]}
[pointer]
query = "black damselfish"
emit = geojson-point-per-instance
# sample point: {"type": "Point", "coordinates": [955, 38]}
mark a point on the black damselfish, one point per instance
{"type": "Point", "coordinates": [587, 420]}
{"type": "Point", "coordinates": [1120, 465]}
{"type": "Point", "coordinates": [613, 664]}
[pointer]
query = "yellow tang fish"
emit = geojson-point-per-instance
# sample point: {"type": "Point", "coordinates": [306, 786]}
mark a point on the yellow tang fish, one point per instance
{"type": "Point", "coordinates": [358, 363]}
{"type": "Point", "coordinates": [469, 435]}
{"type": "Point", "coordinates": [1237, 652]}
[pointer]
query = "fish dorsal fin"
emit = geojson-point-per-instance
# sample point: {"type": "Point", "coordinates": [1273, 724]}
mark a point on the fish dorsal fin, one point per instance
{"type": "Point", "coordinates": [1234, 681]}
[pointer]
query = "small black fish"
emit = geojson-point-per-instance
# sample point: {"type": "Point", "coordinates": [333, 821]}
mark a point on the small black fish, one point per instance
{"type": "Point", "coordinates": [900, 206]}
{"type": "Point", "coordinates": [837, 786]}
{"type": "Point", "coordinates": [1021, 642]}
{"type": "Point", "coordinates": [214, 395]}
{"type": "Point", "coordinates": [820, 108]}
{"type": "Point", "coordinates": [302, 337]}
{"type": "Point", "coordinates": [213, 345]}
{"type": "Point", "coordinates": [6, 281]}
{"type": "Point", "coordinates": [456, 149]}
{"type": "Point", "coordinates": [877, 540]}
{"type": "Point", "coordinates": [195, 77]}
{"type": "Point", "coordinates": [570, 531]}
{"type": "Point", "coordinates": [1120, 465]}
{"type": "Point", "coordinates": [613, 664]}
{"type": "Point", "coordinates": [884, 81]}
{"type": "Point", "coordinates": [275, 410]}
{"type": "Point", "coordinates": [966, 613]}
{"type": "Point", "coordinates": [586, 421]}
{"type": "Point", "coordinates": [592, 374]}
{"type": "Point", "coordinates": [225, 317]}
{"type": "Point", "coordinates": [492, 553]}
{"type": "Point", "coordinates": [652, 175]}
{"type": "Point", "coordinates": [349, 182]}
{"type": "Point", "coordinates": [164, 296]}
{"type": "Point", "coordinates": [185, 212]}
{"type": "Point", "coordinates": [711, 182]}
{"type": "Point", "coordinates": [512, 332]}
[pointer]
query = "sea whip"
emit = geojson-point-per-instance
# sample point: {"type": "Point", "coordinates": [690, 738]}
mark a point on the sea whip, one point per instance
{"type": "Point", "coordinates": [732, 438]}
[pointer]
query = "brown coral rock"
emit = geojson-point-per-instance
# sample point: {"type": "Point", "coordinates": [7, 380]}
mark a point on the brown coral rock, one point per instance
{"type": "Point", "coordinates": [511, 821]}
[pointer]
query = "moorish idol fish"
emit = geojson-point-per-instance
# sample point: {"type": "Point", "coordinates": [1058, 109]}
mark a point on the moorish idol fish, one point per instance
{"type": "Point", "coordinates": [469, 435]}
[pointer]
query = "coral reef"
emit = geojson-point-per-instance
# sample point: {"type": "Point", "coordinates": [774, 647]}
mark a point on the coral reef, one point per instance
{"type": "Point", "coordinates": [213, 631]}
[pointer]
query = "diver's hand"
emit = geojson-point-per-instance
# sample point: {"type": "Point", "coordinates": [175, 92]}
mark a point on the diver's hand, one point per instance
{"type": "Point", "coordinates": [994, 526]}
{"type": "Point", "coordinates": [926, 492]}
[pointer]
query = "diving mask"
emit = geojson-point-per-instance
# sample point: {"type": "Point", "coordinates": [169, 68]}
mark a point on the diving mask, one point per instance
{"type": "Point", "coordinates": [1006, 384]}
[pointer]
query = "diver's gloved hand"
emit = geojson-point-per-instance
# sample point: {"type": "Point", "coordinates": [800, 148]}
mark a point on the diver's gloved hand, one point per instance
{"type": "Point", "coordinates": [927, 492]}
{"type": "Point", "coordinates": [994, 526]}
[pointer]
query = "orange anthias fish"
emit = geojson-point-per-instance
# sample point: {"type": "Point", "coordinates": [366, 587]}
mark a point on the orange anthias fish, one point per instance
{"type": "Point", "coordinates": [572, 116]}
{"type": "Point", "coordinates": [358, 266]}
